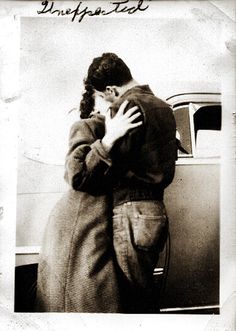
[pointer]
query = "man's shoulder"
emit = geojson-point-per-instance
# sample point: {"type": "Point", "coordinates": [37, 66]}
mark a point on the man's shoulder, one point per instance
{"type": "Point", "coordinates": [143, 95]}
{"type": "Point", "coordinates": [148, 102]}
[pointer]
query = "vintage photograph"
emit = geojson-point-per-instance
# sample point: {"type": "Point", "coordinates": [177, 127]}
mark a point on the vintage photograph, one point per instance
{"type": "Point", "coordinates": [122, 156]}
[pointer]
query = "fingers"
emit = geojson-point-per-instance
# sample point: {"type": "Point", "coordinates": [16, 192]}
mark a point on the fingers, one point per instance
{"type": "Point", "coordinates": [108, 114]}
{"type": "Point", "coordinates": [134, 125]}
{"type": "Point", "coordinates": [133, 117]}
{"type": "Point", "coordinates": [122, 107]}
{"type": "Point", "coordinates": [131, 111]}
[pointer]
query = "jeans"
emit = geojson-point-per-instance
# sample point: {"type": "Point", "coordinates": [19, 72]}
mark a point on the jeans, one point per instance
{"type": "Point", "coordinates": [139, 233]}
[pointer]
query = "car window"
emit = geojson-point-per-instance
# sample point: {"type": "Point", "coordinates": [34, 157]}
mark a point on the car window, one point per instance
{"type": "Point", "coordinates": [198, 129]}
{"type": "Point", "coordinates": [206, 133]}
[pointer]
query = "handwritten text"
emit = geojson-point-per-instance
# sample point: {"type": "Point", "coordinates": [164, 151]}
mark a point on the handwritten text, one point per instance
{"type": "Point", "coordinates": [81, 10]}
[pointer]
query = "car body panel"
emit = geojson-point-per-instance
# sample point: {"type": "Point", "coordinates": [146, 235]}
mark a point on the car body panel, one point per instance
{"type": "Point", "coordinates": [192, 203]}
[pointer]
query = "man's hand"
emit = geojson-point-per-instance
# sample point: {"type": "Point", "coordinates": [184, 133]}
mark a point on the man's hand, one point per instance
{"type": "Point", "coordinates": [120, 124]}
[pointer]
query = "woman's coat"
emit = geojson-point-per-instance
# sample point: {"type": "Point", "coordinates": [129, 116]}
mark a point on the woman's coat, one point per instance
{"type": "Point", "coordinates": [77, 268]}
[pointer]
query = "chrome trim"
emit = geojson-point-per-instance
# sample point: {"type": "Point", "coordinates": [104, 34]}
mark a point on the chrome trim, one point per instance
{"type": "Point", "coordinates": [185, 98]}
{"type": "Point", "coordinates": [27, 250]}
{"type": "Point", "coordinates": [196, 161]}
{"type": "Point", "coordinates": [189, 308]}
{"type": "Point", "coordinates": [193, 93]}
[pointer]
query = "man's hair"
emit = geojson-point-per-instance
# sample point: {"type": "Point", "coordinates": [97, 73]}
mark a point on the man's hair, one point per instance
{"type": "Point", "coordinates": [106, 70]}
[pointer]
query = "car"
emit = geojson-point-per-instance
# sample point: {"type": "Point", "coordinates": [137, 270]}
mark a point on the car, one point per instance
{"type": "Point", "coordinates": [190, 262]}
{"type": "Point", "coordinates": [187, 274]}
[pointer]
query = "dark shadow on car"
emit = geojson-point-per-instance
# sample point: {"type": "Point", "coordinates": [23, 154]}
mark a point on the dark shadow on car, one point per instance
{"type": "Point", "coordinates": [25, 288]}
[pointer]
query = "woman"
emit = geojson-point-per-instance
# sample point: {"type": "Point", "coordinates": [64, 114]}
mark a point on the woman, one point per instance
{"type": "Point", "coordinates": [77, 267]}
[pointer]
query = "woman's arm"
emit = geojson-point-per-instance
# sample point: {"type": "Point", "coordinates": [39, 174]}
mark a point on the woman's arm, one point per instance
{"type": "Point", "coordinates": [87, 162]}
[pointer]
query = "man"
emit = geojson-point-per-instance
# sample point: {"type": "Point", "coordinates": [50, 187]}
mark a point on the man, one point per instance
{"type": "Point", "coordinates": [141, 165]}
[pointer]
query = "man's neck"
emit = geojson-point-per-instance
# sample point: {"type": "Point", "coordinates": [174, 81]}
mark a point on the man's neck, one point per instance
{"type": "Point", "coordinates": [122, 89]}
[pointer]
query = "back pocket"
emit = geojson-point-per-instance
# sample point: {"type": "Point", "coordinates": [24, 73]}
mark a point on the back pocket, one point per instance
{"type": "Point", "coordinates": [149, 230]}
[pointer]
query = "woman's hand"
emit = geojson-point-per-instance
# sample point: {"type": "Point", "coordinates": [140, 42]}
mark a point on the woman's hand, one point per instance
{"type": "Point", "coordinates": [120, 124]}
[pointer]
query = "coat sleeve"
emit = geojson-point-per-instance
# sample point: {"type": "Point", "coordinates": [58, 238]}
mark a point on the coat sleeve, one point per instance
{"type": "Point", "coordinates": [87, 163]}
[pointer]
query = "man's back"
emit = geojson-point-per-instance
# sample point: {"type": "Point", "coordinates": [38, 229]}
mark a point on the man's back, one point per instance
{"type": "Point", "coordinates": [148, 153]}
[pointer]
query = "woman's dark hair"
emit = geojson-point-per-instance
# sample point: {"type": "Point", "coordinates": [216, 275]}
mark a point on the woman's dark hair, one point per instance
{"type": "Point", "coordinates": [105, 70]}
{"type": "Point", "coordinates": [87, 102]}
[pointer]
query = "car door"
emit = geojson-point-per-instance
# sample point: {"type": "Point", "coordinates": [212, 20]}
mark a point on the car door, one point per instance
{"type": "Point", "coordinates": [190, 262]}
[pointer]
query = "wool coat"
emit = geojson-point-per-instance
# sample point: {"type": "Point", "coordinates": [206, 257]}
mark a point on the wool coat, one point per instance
{"type": "Point", "coordinates": [77, 267]}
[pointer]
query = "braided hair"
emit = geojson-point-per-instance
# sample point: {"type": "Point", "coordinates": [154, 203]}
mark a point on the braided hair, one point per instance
{"type": "Point", "coordinates": [87, 102]}
{"type": "Point", "coordinates": [105, 70]}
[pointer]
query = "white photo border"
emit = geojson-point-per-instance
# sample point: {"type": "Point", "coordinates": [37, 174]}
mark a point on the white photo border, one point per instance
{"type": "Point", "coordinates": [10, 15]}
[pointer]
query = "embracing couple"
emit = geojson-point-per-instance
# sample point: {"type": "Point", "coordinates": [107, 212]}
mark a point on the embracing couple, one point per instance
{"type": "Point", "coordinates": [104, 236]}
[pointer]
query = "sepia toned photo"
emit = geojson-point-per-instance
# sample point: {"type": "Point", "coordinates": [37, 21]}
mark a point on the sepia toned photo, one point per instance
{"type": "Point", "coordinates": [121, 122]}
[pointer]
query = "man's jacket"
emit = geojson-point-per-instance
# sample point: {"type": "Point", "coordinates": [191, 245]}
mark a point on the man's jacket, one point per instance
{"type": "Point", "coordinates": [144, 160]}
